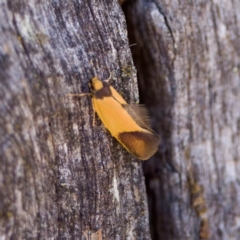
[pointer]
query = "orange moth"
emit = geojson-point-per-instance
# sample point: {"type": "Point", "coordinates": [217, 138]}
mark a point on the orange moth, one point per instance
{"type": "Point", "coordinates": [128, 123]}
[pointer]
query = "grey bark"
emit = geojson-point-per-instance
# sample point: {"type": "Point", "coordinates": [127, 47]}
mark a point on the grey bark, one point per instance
{"type": "Point", "coordinates": [60, 177]}
{"type": "Point", "coordinates": [188, 60]}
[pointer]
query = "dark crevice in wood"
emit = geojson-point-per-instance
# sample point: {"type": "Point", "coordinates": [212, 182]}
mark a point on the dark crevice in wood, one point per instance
{"type": "Point", "coordinates": [169, 28]}
{"type": "Point", "coordinates": [160, 102]}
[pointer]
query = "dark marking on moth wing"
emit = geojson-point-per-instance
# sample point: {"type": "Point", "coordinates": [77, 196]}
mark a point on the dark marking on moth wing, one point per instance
{"type": "Point", "coordinates": [142, 145]}
{"type": "Point", "coordinates": [103, 92]}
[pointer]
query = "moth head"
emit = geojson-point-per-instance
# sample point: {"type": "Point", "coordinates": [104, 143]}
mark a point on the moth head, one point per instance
{"type": "Point", "coordinates": [95, 84]}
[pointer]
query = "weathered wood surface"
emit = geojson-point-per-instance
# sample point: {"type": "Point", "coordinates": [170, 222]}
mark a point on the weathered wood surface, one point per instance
{"type": "Point", "coordinates": [188, 60]}
{"type": "Point", "coordinates": [60, 177]}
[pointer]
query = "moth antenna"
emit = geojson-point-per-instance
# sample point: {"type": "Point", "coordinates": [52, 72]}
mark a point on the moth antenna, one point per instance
{"type": "Point", "coordinates": [132, 45]}
{"type": "Point", "coordinates": [107, 80]}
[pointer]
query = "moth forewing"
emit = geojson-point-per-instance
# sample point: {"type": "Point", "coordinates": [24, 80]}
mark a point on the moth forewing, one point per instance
{"type": "Point", "coordinates": [117, 96]}
{"type": "Point", "coordinates": [140, 114]}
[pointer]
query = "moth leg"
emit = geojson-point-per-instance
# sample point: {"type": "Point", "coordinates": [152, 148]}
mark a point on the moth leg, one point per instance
{"type": "Point", "coordinates": [94, 114]}
{"type": "Point", "coordinates": [81, 95]}
{"type": "Point", "coordinates": [94, 117]}
{"type": "Point", "coordinates": [104, 129]}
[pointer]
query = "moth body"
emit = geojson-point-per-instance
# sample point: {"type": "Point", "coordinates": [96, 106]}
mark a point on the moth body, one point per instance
{"type": "Point", "coordinates": [128, 123]}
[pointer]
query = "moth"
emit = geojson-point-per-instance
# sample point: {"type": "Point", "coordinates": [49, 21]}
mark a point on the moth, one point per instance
{"type": "Point", "coordinates": [128, 123]}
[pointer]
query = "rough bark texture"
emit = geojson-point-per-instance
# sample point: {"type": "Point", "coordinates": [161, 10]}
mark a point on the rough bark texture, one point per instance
{"type": "Point", "coordinates": [188, 60]}
{"type": "Point", "coordinates": [60, 177]}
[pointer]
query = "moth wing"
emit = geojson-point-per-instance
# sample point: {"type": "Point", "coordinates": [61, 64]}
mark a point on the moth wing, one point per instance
{"type": "Point", "coordinates": [114, 117]}
{"type": "Point", "coordinates": [129, 124]}
{"type": "Point", "coordinates": [140, 114]}
{"type": "Point", "coordinates": [142, 145]}
{"type": "Point", "coordinates": [137, 111]}
{"type": "Point", "coordinates": [117, 96]}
